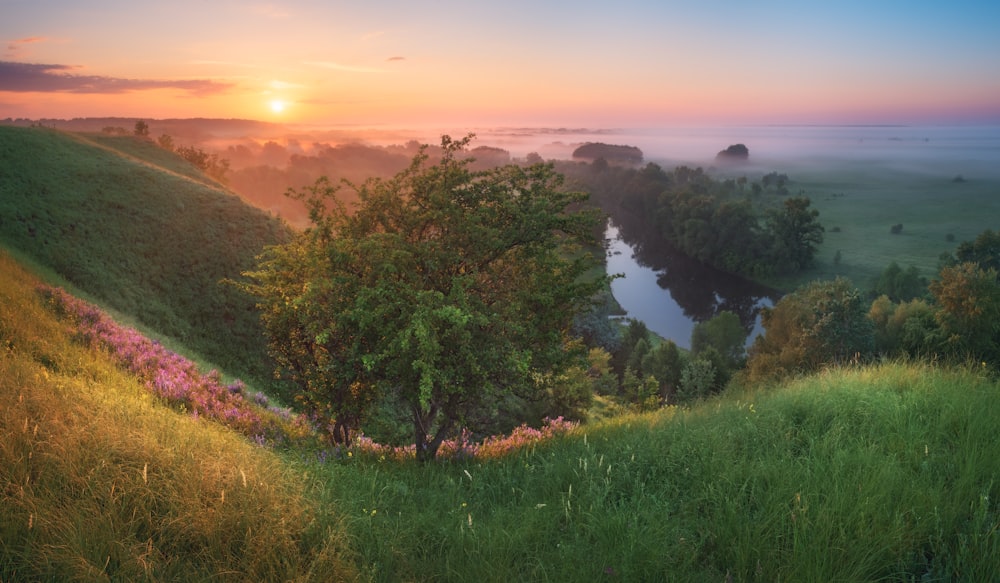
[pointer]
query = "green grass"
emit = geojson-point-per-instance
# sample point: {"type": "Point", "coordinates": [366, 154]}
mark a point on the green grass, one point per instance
{"type": "Point", "coordinates": [884, 473]}
{"type": "Point", "coordinates": [134, 228]}
{"type": "Point", "coordinates": [864, 199]}
{"type": "Point", "coordinates": [99, 481]}
{"type": "Point", "coordinates": [880, 473]}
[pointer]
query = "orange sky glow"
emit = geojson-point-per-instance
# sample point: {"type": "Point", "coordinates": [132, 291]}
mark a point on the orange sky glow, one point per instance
{"type": "Point", "coordinates": [589, 64]}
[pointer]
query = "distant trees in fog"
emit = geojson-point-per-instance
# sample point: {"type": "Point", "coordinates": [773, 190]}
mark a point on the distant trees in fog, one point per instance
{"type": "Point", "coordinates": [610, 153]}
{"type": "Point", "coordinates": [734, 153]}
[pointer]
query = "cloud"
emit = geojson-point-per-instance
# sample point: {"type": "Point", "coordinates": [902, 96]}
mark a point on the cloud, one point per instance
{"type": "Point", "coordinates": [396, 59]}
{"type": "Point", "coordinates": [15, 48]}
{"type": "Point", "coordinates": [29, 77]}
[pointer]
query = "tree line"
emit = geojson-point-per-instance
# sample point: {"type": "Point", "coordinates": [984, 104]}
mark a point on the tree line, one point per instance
{"type": "Point", "coordinates": [756, 232]}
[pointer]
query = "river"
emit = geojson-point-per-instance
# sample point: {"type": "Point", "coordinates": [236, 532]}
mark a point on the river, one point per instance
{"type": "Point", "coordinates": [670, 292]}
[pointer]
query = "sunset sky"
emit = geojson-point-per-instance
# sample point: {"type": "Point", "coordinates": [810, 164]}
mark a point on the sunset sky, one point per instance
{"type": "Point", "coordinates": [611, 63]}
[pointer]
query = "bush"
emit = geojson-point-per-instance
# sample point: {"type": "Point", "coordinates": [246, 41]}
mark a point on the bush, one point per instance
{"type": "Point", "coordinates": [697, 380]}
{"type": "Point", "coordinates": [823, 322]}
{"type": "Point", "coordinates": [896, 229]}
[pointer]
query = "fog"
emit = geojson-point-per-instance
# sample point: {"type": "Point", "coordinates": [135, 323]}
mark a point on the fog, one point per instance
{"type": "Point", "coordinates": [968, 149]}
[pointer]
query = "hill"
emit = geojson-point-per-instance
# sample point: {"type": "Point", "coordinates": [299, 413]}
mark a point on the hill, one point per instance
{"type": "Point", "coordinates": [100, 481]}
{"type": "Point", "coordinates": [871, 473]}
{"type": "Point", "coordinates": [142, 232]}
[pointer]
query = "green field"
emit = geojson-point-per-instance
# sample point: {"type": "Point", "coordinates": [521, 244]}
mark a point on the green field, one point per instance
{"type": "Point", "coordinates": [865, 199]}
{"type": "Point", "coordinates": [876, 473]}
{"type": "Point", "coordinates": [885, 472]}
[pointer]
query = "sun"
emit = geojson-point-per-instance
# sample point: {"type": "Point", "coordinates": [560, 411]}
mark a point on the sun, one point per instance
{"type": "Point", "coordinates": [277, 106]}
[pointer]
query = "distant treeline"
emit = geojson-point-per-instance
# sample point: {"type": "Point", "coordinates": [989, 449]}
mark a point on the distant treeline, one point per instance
{"type": "Point", "coordinates": [262, 174]}
{"type": "Point", "coordinates": [752, 229]}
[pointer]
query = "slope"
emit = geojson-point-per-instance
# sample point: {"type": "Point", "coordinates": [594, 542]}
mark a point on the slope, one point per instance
{"type": "Point", "coordinates": [101, 481]}
{"type": "Point", "coordinates": [141, 239]}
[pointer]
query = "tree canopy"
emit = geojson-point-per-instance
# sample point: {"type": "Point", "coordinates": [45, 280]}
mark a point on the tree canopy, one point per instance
{"type": "Point", "coordinates": [450, 290]}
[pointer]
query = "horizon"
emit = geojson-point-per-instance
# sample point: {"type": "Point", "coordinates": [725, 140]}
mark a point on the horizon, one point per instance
{"type": "Point", "coordinates": [636, 64]}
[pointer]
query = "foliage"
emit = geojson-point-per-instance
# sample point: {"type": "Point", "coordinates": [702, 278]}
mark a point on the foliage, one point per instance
{"type": "Point", "coordinates": [715, 222]}
{"type": "Point", "coordinates": [450, 287]}
{"type": "Point", "coordinates": [210, 164]}
{"type": "Point", "coordinates": [984, 251]}
{"type": "Point", "coordinates": [969, 315]}
{"type": "Point", "coordinates": [605, 381]}
{"type": "Point", "coordinates": [166, 142]}
{"type": "Point", "coordinates": [909, 328]}
{"type": "Point", "coordinates": [901, 285]}
{"type": "Point", "coordinates": [665, 363]}
{"type": "Point", "coordinates": [697, 379]}
{"type": "Point", "coordinates": [141, 129]}
{"type": "Point", "coordinates": [797, 232]}
{"type": "Point", "coordinates": [825, 322]}
{"type": "Point", "coordinates": [641, 391]}
{"type": "Point", "coordinates": [734, 153]}
{"type": "Point", "coordinates": [595, 325]}
{"type": "Point", "coordinates": [609, 153]}
{"type": "Point", "coordinates": [725, 333]}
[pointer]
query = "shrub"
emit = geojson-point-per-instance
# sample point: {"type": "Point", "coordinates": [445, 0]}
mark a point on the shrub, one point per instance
{"type": "Point", "coordinates": [896, 229]}
{"type": "Point", "coordinates": [697, 380]}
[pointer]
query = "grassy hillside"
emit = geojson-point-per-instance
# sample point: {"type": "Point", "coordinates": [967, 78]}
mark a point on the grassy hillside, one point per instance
{"type": "Point", "coordinates": [888, 473]}
{"type": "Point", "coordinates": [99, 481]}
{"type": "Point", "coordinates": [140, 231]}
{"type": "Point", "coordinates": [881, 473]}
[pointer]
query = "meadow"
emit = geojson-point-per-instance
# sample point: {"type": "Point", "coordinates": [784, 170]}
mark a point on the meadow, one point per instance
{"type": "Point", "coordinates": [121, 460]}
{"type": "Point", "coordinates": [885, 472]}
{"type": "Point", "coordinates": [860, 201]}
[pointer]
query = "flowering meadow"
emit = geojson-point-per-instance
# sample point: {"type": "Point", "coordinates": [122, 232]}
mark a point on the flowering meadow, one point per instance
{"type": "Point", "coordinates": [178, 381]}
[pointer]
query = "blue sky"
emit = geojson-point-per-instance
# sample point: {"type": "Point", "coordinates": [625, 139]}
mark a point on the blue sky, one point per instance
{"type": "Point", "coordinates": [518, 62]}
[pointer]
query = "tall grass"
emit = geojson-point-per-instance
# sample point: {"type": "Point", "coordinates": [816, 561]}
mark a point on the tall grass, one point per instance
{"type": "Point", "coordinates": [99, 481]}
{"type": "Point", "coordinates": [147, 241]}
{"type": "Point", "coordinates": [886, 473]}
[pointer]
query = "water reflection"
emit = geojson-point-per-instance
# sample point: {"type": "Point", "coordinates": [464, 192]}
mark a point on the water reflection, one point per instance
{"type": "Point", "coordinates": [671, 292]}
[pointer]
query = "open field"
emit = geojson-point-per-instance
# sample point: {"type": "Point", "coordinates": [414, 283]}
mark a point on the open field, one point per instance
{"type": "Point", "coordinates": [864, 199]}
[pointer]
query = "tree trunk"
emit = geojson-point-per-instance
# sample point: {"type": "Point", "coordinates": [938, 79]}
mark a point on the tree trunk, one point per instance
{"type": "Point", "coordinates": [423, 422]}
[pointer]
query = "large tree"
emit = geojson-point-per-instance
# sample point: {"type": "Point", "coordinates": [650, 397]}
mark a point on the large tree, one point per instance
{"type": "Point", "coordinates": [797, 232]}
{"type": "Point", "coordinates": [448, 289]}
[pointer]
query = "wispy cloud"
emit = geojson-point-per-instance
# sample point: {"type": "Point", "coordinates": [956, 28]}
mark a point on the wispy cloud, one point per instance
{"type": "Point", "coordinates": [396, 59]}
{"type": "Point", "coordinates": [16, 48]}
{"type": "Point", "coordinates": [342, 67]}
{"type": "Point", "coordinates": [29, 77]}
